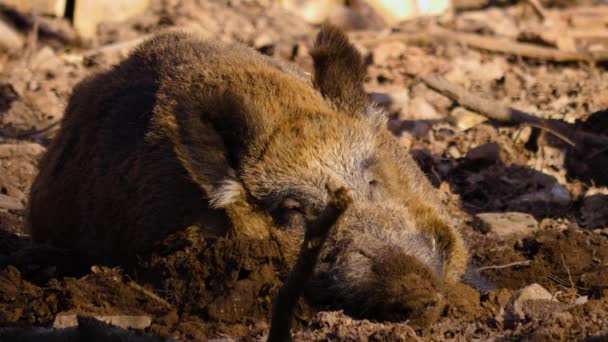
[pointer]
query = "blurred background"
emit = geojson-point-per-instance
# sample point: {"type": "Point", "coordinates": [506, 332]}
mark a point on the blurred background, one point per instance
{"type": "Point", "coordinates": [503, 104]}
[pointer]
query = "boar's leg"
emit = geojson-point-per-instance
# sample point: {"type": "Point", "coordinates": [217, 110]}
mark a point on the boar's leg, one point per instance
{"type": "Point", "coordinates": [317, 231]}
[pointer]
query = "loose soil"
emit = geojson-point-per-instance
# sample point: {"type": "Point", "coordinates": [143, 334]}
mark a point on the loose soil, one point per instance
{"type": "Point", "coordinates": [197, 288]}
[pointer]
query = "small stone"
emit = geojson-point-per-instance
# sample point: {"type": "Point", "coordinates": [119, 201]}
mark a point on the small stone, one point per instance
{"type": "Point", "coordinates": [347, 19]}
{"type": "Point", "coordinates": [485, 154]}
{"type": "Point", "coordinates": [66, 320]}
{"type": "Point", "coordinates": [394, 12]}
{"type": "Point", "coordinates": [453, 152]}
{"type": "Point", "coordinates": [594, 211]}
{"type": "Point", "coordinates": [262, 41]}
{"type": "Point", "coordinates": [381, 99]}
{"type": "Point", "coordinates": [313, 12]}
{"type": "Point", "coordinates": [557, 196]}
{"type": "Point", "coordinates": [406, 139]}
{"type": "Point", "coordinates": [466, 119]}
{"type": "Point", "coordinates": [10, 40]}
{"type": "Point", "coordinates": [522, 136]}
{"type": "Point", "coordinates": [581, 300]}
{"type": "Point", "coordinates": [45, 60]}
{"type": "Point", "coordinates": [48, 7]}
{"type": "Point", "coordinates": [89, 14]}
{"type": "Point", "coordinates": [421, 109]}
{"type": "Point", "coordinates": [400, 100]}
{"type": "Point", "coordinates": [387, 51]}
{"type": "Point", "coordinates": [509, 225]}
{"type": "Point", "coordinates": [531, 292]}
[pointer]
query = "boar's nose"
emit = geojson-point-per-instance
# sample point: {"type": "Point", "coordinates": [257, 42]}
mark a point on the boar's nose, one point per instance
{"type": "Point", "coordinates": [412, 289]}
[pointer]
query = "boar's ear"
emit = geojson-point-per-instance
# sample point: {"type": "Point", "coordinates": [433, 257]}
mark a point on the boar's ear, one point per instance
{"type": "Point", "coordinates": [339, 70]}
{"type": "Point", "coordinates": [209, 145]}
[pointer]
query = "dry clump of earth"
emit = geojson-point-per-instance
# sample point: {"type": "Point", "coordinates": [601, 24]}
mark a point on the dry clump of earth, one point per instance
{"type": "Point", "coordinates": [548, 262]}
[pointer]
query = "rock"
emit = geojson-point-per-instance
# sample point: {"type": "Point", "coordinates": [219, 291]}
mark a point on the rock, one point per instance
{"type": "Point", "coordinates": [10, 203]}
{"type": "Point", "coordinates": [46, 60]}
{"type": "Point", "coordinates": [263, 40]}
{"type": "Point", "coordinates": [453, 152]}
{"type": "Point", "coordinates": [482, 156]}
{"type": "Point", "coordinates": [395, 11]}
{"type": "Point", "coordinates": [10, 40]}
{"type": "Point", "coordinates": [382, 99]}
{"type": "Point", "coordinates": [66, 320]}
{"type": "Point", "coordinates": [533, 292]}
{"type": "Point", "coordinates": [557, 196]}
{"type": "Point", "coordinates": [395, 99]}
{"type": "Point", "coordinates": [594, 211]}
{"type": "Point", "coordinates": [48, 7]}
{"type": "Point", "coordinates": [405, 140]}
{"type": "Point", "coordinates": [581, 300]}
{"type": "Point", "coordinates": [47, 103]}
{"type": "Point", "coordinates": [466, 119]}
{"type": "Point", "coordinates": [400, 100]}
{"type": "Point", "coordinates": [347, 19]}
{"type": "Point", "coordinates": [523, 135]}
{"type": "Point", "coordinates": [387, 51]}
{"type": "Point", "coordinates": [314, 12]}
{"type": "Point", "coordinates": [89, 14]}
{"type": "Point", "coordinates": [497, 20]}
{"type": "Point", "coordinates": [420, 109]}
{"type": "Point", "coordinates": [510, 225]}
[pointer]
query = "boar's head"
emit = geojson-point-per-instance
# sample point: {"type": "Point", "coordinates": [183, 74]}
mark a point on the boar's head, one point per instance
{"type": "Point", "coordinates": [392, 251]}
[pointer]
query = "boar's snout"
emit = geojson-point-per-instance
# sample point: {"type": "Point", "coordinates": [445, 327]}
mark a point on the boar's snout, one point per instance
{"type": "Point", "coordinates": [410, 290]}
{"type": "Point", "coordinates": [378, 267]}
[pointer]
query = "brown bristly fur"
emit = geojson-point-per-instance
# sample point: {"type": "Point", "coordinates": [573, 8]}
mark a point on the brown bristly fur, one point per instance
{"type": "Point", "coordinates": [188, 131]}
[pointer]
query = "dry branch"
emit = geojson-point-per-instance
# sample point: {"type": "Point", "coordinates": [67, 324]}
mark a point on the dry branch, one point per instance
{"type": "Point", "coordinates": [9, 38]}
{"type": "Point", "coordinates": [538, 8]}
{"type": "Point", "coordinates": [317, 231]}
{"type": "Point", "coordinates": [499, 267]}
{"type": "Point", "coordinates": [496, 111]}
{"type": "Point", "coordinates": [124, 46]}
{"type": "Point", "coordinates": [487, 43]}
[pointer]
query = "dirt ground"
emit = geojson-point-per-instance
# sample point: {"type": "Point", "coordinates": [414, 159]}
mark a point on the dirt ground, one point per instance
{"type": "Point", "coordinates": [196, 289]}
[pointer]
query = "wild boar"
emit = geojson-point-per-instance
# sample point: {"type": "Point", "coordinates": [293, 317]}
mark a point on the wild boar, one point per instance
{"type": "Point", "coordinates": [190, 130]}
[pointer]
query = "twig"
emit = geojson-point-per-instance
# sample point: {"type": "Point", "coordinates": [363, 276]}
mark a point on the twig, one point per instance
{"type": "Point", "coordinates": [568, 270]}
{"type": "Point", "coordinates": [149, 293]}
{"type": "Point", "coordinates": [487, 43]}
{"type": "Point", "coordinates": [317, 231]}
{"type": "Point", "coordinates": [565, 283]}
{"type": "Point", "coordinates": [498, 267]}
{"type": "Point", "coordinates": [486, 107]}
{"type": "Point", "coordinates": [104, 270]}
{"type": "Point", "coordinates": [553, 132]}
{"type": "Point", "coordinates": [538, 8]}
{"type": "Point", "coordinates": [58, 28]}
{"type": "Point", "coordinates": [496, 111]}
{"type": "Point", "coordinates": [118, 47]}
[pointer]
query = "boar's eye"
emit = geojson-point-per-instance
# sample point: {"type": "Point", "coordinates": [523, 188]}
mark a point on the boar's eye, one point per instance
{"type": "Point", "coordinates": [373, 189]}
{"type": "Point", "coordinates": [291, 204]}
{"type": "Point", "coordinates": [289, 213]}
